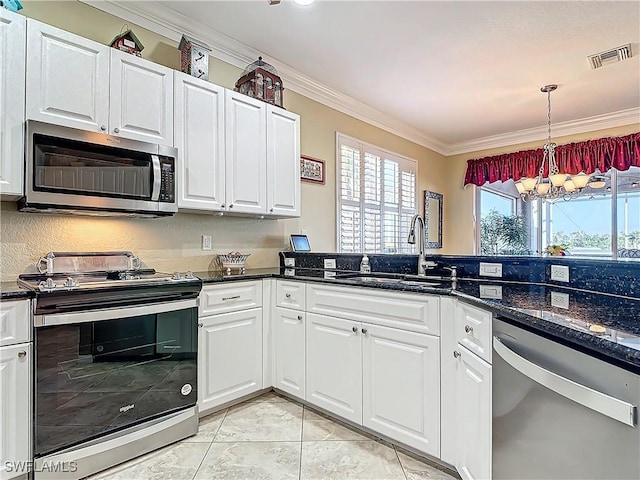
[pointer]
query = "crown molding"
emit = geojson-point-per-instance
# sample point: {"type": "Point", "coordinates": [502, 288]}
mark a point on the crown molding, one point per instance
{"type": "Point", "coordinates": [170, 24]}
{"type": "Point", "coordinates": [573, 127]}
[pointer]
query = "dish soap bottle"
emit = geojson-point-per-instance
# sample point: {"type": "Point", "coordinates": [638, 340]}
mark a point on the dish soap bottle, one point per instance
{"type": "Point", "coordinates": [364, 264]}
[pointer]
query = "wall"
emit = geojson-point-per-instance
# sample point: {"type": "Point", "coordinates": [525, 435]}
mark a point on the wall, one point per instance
{"type": "Point", "coordinates": [459, 229]}
{"type": "Point", "coordinates": [174, 243]}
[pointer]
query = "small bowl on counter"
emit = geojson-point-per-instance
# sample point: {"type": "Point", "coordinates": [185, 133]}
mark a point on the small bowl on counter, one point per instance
{"type": "Point", "coordinates": [232, 261]}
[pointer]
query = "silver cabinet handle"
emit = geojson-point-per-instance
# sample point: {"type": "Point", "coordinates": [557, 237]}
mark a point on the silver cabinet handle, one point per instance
{"type": "Point", "coordinates": [22, 354]}
{"type": "Point", "coordinates": [103, 128]}
{"type": "Point", "coordinates": [468, 329]}
{"type": "Point", "coordinates": [231, 206]}
{"type": "Point", "coordinates": [364, 331]}
{"type": "Point", "coordinates": [235, 297]}
{"type": "Point", "coordinates": [116, 130]}
{"type": "Point", "coordinates": [456, 354]}
{"type": "Point", "coordinates": [222, 206]}
{"type": "Point", "coordinates": [271, 210]}
{"type": "Point", "coordinates": [354, 329]}
{"type": "Point", "coordinates": [600, 402]}
{"type": "Point", "coordinates": [300, 317]}
{"type": "Point", "coordinates": [288, 295]}
{"type": "Point", "coordinates": [201, 325]}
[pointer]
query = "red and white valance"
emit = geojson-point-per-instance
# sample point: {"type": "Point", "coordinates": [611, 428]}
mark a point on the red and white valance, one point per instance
{"type": "Point", "coordinates": [601, 154]}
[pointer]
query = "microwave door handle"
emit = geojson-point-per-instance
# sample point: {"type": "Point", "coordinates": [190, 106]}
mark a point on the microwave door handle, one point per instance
{"type": "Point", "coordinates": [157, 178]}
{"type": "Point", "coordinates": [600, 402]}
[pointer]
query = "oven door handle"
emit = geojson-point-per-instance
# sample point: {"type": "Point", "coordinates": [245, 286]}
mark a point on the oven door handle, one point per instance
{"type": "Point", "coordinates": [112, 313]}
{"type": "Point", "coordinates": [157, 178]}
{"type": "Point", "coordinates": [600, 402]}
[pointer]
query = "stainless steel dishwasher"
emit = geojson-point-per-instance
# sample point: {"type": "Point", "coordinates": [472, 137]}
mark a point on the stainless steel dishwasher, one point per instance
{"type": "Point", "coordinates": [559, 413]}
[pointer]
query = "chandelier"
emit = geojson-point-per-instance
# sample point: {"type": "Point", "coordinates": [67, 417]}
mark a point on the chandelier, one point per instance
{"type": "Point", "coordinates": [556, 185]}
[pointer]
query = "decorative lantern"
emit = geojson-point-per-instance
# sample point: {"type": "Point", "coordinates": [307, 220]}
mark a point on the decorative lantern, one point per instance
{"type": "Point", "coordinates": [128, 42]}
{"type": "Point", "coordinates": [260, 80]}
{"type": "Point", "coordinates": [194, 58]}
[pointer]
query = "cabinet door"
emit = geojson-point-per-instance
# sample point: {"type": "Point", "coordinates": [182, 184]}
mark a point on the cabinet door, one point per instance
{"type": "Point", "coordinates": [15, 408]}
{"type": "Point", "coordinates": [67, 78]}
{"type": "Point", "coordinates": [283, 162]}
{"type": "Point", "coordinates": [334, 365]}
{"type": "Point", "coordinates": [401, 386]}
{"type": "Point", "coordinates": [12, 78]}
{"type": "Point", "coordinates": [289, 353]}
{"type": "Point", "coordinates": [229, 357]}
{"type": "Point", "coordinates": [246, 153]}
{"type": "Point", "coordinates": [473, 385]}
{"type": "Point", "coordinates": [141, 106]}
{"type": "Point", "coordinates": [199, 138]}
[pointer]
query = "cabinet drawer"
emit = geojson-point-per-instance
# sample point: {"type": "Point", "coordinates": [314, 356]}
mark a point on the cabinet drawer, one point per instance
{"type": "Point", "coordinates": [290, 295]}
{"type": "Point", "coordinates": [15, 322]}
{"type": "Point", "coordinates": [473, 330]}
{"type": "Point", "coordinates": [230, 297]}
{"type": "Point", "coordinates": [415, 312]}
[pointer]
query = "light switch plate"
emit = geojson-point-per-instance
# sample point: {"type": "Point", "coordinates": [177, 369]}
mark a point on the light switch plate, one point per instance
{"type": "Point", "coordinates": [560, 300]}
{"type": "Point", "coordinates": [289, 262]}
{"type": "Point", "coordinates": [491, 291]}
{"type": "Point", "coordinates": [329, 263]}
{"type": "Point", "coordinates": [289, 272]}
{"type": "Point", "coordinates": [560, 273]}
{"type": "Point", "coordinates": [490, 269]}
{"type": "Point", "coordinates": [206, 242]}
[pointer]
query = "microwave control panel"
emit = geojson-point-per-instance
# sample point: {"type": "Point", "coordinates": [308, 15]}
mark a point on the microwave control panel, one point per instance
{"type": "Point", "coordinates": [168, 182]}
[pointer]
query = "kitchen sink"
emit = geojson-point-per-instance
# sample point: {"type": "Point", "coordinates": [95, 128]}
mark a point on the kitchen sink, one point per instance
{"type": "Point", "coordinates": [399, 280]}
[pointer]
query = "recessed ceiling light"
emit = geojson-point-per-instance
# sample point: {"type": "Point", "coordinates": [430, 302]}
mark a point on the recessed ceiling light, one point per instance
{"type": "Point", "coordinates": [304, 3]}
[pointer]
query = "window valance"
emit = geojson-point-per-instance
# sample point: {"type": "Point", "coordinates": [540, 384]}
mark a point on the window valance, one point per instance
{"type": "Point", "coordinates": [601, 154]}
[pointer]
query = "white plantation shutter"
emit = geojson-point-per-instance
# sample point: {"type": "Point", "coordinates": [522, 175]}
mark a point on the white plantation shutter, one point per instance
{"type": "Point", "coordinates": [376, 198]}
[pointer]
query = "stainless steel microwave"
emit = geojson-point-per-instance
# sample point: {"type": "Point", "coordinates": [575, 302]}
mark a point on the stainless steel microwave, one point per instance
{"type": "Point", "coordinates": [76, 171]}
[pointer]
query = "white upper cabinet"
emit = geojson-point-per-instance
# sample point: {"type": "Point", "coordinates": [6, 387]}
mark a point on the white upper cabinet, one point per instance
{"type": "Point", "coordinates": [67, 78]}
{"type": "Point", "coordinates": [199, 138]}
{"type": "Point", "coordinates": [141, 105]}
{"type": "Point", "coordinates": [76, 82]}
{"type": "Point", "coordinates": [283, 162]}
{"type": "Point", "coordinates": [246, 161]}
{"type": "Point", "coordinates": [12, 73]}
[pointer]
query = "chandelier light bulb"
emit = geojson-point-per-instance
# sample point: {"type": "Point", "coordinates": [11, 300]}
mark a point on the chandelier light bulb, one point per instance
{"type": "Point", "coordinates": [558, 179]}
{"type": "Point", "coordinates": [529, 183]}
{"type": "Point", "coordinates": [543, 188]}
{"type": "Point", "coordinates": [569, 186]}
{"type": "Point", "coordinates": [520, 187]}
{"type": "Point", "coordinates": [580, 180]}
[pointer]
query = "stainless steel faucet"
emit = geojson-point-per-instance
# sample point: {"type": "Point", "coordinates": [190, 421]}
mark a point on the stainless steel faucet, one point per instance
{"type": "Point", "coordinates": [412, 240]}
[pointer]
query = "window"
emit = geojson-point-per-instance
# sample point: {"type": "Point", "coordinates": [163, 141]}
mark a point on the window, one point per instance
{"type": "Point", "coordinates": [601, 222]}
{"type": "Point", "coordinates": [376, 198]}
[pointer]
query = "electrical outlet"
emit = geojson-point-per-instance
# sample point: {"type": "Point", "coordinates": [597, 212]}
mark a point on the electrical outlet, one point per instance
{"type": "Point", "coordinates": [491, 291]}
{"type": "Point", "coordinates": [329, 263]}
{"type": "Point", "coordinates": [289, 262]}
{"type": "Point", "coordinates": [491, 269]}
{"type": "Point", "coordinates": [560, 273]}
{"type": "Point", "coordinates": [560, 300]}
{"type": "Point", "coordinates": [206, 242]}
{"type": "Point", "coordinates": [329, 274]}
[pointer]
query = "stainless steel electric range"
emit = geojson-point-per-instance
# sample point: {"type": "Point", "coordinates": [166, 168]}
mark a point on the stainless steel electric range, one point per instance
{"type": "Point", "coordinates": [115, 369]}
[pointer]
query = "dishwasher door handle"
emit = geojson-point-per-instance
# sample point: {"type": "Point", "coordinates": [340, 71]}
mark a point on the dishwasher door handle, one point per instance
{"type": "Point", "coordinates": [600, 402]}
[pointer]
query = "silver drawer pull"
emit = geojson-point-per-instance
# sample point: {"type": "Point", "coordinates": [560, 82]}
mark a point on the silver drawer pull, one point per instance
{"type": "Point", "coordinates": [456, 354]}
{"type": "Point", "coordinates": [22, 354]}
{"type": "Point", "coordinates": [355, 330]}
{"type": "Point", "coordinates": [200, 325]}
{"type": "Point", "coordinates": [364, 331]}
{"type": "Point", "coordinates": [235, 297]}
{"type": "Point", "coordinates": [468, 329]}
{"type": "Point", "coordinates": [288, 295]}
{"type": "Point", "coordinates": [299, 317]}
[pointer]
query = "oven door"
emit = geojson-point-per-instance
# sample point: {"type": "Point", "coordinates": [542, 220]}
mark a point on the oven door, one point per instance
{"type": "Point", "coordinates": [101, 371]}
{"type": "Point", "coordinates": [74, 169]}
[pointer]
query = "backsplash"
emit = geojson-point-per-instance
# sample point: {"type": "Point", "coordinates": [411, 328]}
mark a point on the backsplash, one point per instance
{"type": "Point", "coordinates": [621, 276]}
{"type": "Point", "coordinates": [166, 244]}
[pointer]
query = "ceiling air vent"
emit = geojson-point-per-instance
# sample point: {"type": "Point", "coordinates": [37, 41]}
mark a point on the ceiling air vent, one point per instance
{"type": "Point", "coordinates": [610, 56]}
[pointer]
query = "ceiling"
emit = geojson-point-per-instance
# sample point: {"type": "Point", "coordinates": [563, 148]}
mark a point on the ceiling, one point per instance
{"type": "Point", "coordinates": [451, 75]}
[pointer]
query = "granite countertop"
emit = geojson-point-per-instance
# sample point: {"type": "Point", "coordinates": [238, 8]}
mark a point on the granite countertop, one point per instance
{"type": "Point", "coordinates": [11, 291]}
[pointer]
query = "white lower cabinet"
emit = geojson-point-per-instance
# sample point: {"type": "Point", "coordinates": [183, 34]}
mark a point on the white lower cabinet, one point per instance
{"type": "Point", "coordinates": [229, 357]}
{"type": "Point", "coordinates": [334, 365]}
{"type": "Point", "coordinates": [473, 405]}
{"type": "Point", "coordinates": [290, 351]}
{"type": "Point", "coordinates": [401, 386]}
{"type": "Point", "coordinates": [15, 409]}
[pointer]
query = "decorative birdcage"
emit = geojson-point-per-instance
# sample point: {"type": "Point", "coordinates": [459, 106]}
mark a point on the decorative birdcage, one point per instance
{"type": "Point", "coordinates": [260, 80]}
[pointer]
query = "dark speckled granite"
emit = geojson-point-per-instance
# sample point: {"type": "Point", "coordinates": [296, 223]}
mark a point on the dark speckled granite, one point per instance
{"type": "Point", "coordinates": [216, 276]}
{"type": "Point", "coordinates": [11, 290]}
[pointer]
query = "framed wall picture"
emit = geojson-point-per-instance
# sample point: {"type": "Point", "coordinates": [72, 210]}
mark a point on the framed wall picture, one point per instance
{"type": "Point", "coordinates": [311, 169]}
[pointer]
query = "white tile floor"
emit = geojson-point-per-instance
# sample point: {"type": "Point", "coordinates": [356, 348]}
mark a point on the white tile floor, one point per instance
{"type": "Point", "coordinates": [272, 438]}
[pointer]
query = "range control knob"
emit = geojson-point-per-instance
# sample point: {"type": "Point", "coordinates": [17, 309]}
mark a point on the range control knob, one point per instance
{"type": "Point", "coordinates": [49, 284]}
{"type": "Point", "coordinates": [70, 283]}
{"type": "Point", "coordinates": [176, 276]}
{"type": "Point", "coordinates": [190, 275]}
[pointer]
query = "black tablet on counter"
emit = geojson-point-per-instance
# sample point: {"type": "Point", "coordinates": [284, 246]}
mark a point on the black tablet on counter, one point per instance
{"type": "Point", "coordinates": [300, 243]}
